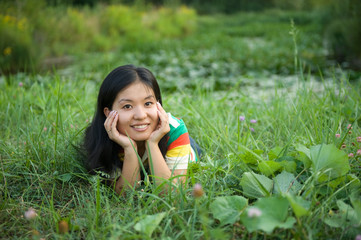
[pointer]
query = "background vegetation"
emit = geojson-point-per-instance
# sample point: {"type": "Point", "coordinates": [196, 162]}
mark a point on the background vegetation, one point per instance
{"type": "Point", "coordinates": [276, 116]}
{"type": "Point", "coordinates": [38, 34]}
{"type": "Point", "coordinates": [35, 34]}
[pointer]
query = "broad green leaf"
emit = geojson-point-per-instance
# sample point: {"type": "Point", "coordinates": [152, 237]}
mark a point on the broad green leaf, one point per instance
{"type": "Point", "coordinates": [346, 216]}
{"type": "Point", "coordinates": [286, 182]}
{"type": "Point", "coordinates": [274, 213]}
{"type": "Point", "coordinates": [334, 183]}
{"type": "Point", "coordinates": [285, 158]}
{"type": "Point", "coordinates": [228, 209]}
{"type": "Point", "coordinates": [289, 166]}
{"type": "Point", "coordinates": [356, 203]}
{"type": "Point", "coordinates": [299, 205]}
{"type": "Point", "coordinates": [149, 223]}
{"type": "Point", "coordinates": [303, 149]}
{"type": "Point", "coordinates": [355, 182]}
{"type": "Point", "coordinates": [218, 233]}
{"type": "Point", "coordinates": [249, 158]}
{"type": "Point", "coordinates": [329, 158]}
{"type": "Point", "coordinates": [349, 213]}
{"type": "Point", "coordinates": [275, 153]}
{"type": "Point", "coordinates": [64, 177]}
{"type": "Point", "coordinates": [255, 185]}
{"type": "Point", "coordinates": [269, 167]}
{"type": "Point", "coordinates": [334, 221]}
{"type": "Point", "coordinates": [304, 155]}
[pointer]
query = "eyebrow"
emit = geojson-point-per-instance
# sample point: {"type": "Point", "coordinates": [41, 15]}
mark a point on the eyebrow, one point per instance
{"type": "Point", "coordinates": [130, 100]}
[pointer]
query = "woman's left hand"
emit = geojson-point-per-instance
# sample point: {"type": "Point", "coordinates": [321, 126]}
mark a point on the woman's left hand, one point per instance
{"type": "Point", "coordinates": [163, 126]}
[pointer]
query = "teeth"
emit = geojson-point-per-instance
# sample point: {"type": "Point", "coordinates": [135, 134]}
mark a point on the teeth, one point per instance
{"type": "Point", "coordinates": [140, 126]}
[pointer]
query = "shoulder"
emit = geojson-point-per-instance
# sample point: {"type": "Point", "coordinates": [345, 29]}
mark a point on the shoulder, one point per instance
{"type": "Point", "coordinates": [176, 123]}
{"type": "Point", "coordinates": [177, 128]}
{"type": "Point", "coordinates": [178, 134]}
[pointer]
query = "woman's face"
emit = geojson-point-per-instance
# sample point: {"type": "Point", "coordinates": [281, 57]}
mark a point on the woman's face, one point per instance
{"type": "Point", "coordinates": [137, 110]}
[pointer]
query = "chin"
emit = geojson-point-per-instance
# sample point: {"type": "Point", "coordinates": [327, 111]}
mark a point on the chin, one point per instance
{"type": "Point", "coordinates": [140, 138]}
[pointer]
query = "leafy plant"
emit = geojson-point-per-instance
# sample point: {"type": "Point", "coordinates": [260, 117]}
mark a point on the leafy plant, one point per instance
{"type": "Point", "coordinates": [228, 209]}
{"type": "Point", "coordinates": [16, 44]}
{"type": "Point", "coordinates": [149, 223]}
{"type": "Point", "coordinates": [273, 213]}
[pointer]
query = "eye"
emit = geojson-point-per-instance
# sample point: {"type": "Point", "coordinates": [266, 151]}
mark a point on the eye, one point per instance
{"type": "Point", "coordinates": [148, 104]}
{"type": "Point", "coordinates": [127, 106]}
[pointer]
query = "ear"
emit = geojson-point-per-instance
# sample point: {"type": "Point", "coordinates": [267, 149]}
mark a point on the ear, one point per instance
{"type": "Point", "coordinates": [106, 111]}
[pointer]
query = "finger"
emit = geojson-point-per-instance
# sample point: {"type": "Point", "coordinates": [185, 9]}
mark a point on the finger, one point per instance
{"type": "Point", "coordinates": [163, 118]}
{"type": "Point", "coordinates": [164, 122]}
{"type": "Point", "coordinates": [109, 120]}
{"type": "Point", "coordinates": [115, 121]}
{"type": "Point", "coordinates": [160, 108]}
{"type": "Point", "coordinates": [162, 113]}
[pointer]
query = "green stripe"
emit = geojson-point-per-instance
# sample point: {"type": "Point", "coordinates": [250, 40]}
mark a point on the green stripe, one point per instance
{"type": "Point", "coordinates": [174, 133]}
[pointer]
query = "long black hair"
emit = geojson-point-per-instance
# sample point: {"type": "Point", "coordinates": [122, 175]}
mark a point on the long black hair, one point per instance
{"type": "Point", "coordinates": [102, 152]}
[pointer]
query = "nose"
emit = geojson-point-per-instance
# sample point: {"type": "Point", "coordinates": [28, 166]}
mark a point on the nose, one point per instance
{"type": "Point", "coordinates": [140, 113]}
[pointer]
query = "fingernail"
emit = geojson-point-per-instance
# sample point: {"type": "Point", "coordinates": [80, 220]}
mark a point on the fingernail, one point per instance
{"type": "Point", "coordinates": [159, 104]}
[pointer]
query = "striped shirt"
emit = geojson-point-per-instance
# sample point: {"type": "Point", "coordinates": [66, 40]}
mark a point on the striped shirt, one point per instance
{"type": "Point", "coordinates": [179, 150]}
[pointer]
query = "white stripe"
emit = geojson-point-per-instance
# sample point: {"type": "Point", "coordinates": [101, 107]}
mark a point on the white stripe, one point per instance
{"type": "Point", "coordinates": [173, 121]}
{"type": "Point", "coordinates": [177, 162]}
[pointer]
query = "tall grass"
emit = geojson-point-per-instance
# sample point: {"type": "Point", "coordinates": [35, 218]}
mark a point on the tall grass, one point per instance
{"type": "Point", "coordinates": [44, 116]}
{"type": "Point", "coordinates": [43, 119]}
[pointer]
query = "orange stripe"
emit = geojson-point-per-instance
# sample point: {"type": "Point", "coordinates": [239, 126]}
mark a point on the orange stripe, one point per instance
{"type": "Point", "coordinates": [181, 140]}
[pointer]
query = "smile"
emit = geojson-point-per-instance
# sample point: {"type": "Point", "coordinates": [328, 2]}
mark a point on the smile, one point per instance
{"type": "Point", "coordinates": [140, 127]}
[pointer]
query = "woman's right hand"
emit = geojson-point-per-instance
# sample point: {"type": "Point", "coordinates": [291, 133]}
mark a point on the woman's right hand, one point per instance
{"type": "Point", "coordinates": [110, 125]}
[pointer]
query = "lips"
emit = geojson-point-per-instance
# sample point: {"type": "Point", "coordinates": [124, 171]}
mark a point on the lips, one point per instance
{"type": "Point", "coordinates": [140, 127]}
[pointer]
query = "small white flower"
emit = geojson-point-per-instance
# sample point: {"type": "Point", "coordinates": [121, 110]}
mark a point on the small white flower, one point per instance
{"type": "Point", "coordinates": [254, 212]}
{"type": "Point", "coordinates": [30, 214]}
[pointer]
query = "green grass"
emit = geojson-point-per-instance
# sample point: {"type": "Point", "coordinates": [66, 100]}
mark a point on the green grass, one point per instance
{"type": "Point", "coordinates": [206, 82]}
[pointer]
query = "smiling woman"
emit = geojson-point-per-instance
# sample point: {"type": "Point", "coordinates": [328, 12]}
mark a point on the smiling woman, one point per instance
{"type": "Point", "coordinates": [136, 112]}
{"type": "Point", "coordinates": [130, 122]}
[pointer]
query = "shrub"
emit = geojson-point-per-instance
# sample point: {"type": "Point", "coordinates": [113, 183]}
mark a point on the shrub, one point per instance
{"type": "Point", "coordinates": [16, 46]}
{"type": "Point", "coordinates": [343, 33]}
{"type": "Point", "coordinates": [43, 32]}
{"type": "Point", "coordinates": [76, 30]}
{"type": "Point", "coordinates": [121, 21]}
{"type": "Point", "coordinates": [175, 22]}
{"type": "Point", "coordinates": [130, 24]}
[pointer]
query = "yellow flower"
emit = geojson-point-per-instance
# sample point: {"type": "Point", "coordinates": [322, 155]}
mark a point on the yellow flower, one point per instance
{"type": "Point", "coordinates": [7, 18]}
{"type": "Point", "coordinates": [21, 24]}
{"type": "Point", "coordinates": [7, 51]}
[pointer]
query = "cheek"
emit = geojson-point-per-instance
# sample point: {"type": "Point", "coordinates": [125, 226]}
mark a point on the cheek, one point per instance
{"type": "Point", "coordinates": [154, 114]}
{"type": "Point", "coordinates": [122, 123]}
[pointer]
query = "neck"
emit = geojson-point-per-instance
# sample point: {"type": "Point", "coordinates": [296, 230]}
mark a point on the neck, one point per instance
{"type": "Point", "coordinates": [141, 147]}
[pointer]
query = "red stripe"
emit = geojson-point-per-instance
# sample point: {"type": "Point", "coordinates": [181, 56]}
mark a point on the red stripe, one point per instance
{"type": "Point", "coordinates": [181, 140]}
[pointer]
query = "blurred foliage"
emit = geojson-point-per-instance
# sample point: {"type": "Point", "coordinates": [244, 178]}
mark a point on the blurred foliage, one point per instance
{"type": "Point", "coordinates": [229, 6]}
{"type": "Point", "coordinates": [343, 32]}
{"type": "Point", "coordinates": [225, 48]}
{"type": "Point", "coordinates": [33, 30]}
{"type": "Point", "coordinates": [16, 44]}
{"type": "Point", "coordinates": [44, 29]}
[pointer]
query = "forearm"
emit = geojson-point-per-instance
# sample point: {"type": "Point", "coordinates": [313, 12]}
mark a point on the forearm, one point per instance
{"type": "Point", "coordinates": [160, 168]}
{"type": "Point", "coordinates": [130, 171]}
